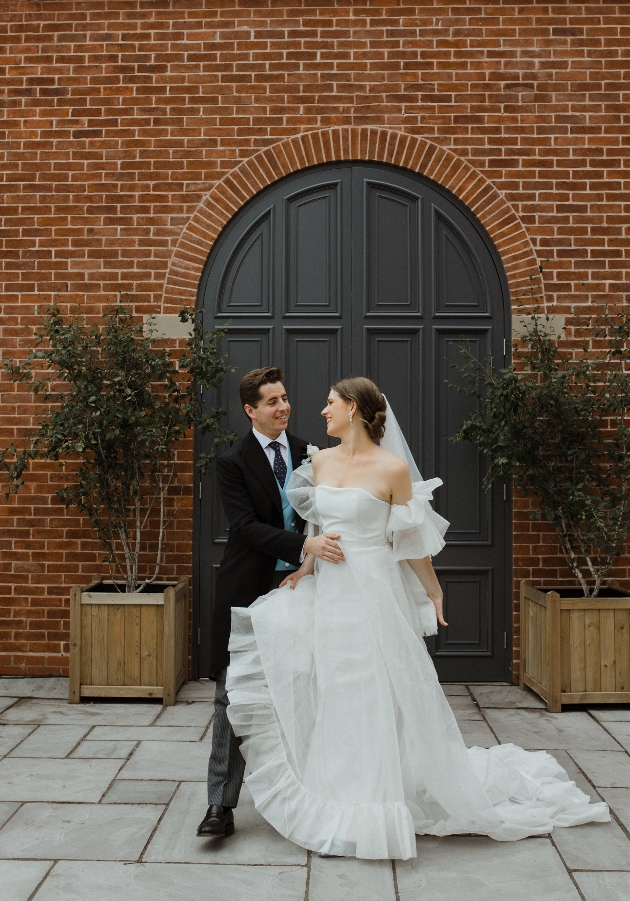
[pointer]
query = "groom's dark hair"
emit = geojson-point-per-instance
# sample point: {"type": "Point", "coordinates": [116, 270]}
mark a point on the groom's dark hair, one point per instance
{"type": "Point", "coordinates": [249, 389]}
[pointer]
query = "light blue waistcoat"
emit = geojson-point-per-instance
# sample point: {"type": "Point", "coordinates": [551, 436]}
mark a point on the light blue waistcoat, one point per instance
{"type": "Point", "coordinates": [288, 513]}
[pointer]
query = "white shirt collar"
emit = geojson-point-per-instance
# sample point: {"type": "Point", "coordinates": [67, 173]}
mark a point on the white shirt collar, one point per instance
{"type": "Point", "coordinates": [265, 439]}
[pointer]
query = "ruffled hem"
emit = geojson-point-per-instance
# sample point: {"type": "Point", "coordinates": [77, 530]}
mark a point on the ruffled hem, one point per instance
{"type": "Point", "coordinates": [370, 831]}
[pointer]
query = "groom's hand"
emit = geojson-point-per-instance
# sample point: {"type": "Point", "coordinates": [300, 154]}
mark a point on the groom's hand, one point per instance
{"type": "Point", "coordinates": [325, 547]}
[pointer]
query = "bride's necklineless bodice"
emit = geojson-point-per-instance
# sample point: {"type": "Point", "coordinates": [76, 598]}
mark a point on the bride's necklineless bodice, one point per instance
{"type": "Point", "coordinates": [353, 513]}
{"type": "Point", "coordinates": [354, 488]}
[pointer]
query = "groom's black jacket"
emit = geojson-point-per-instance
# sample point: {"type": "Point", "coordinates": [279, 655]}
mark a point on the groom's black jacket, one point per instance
{"type": "Point", "coordinates": [256, 538]}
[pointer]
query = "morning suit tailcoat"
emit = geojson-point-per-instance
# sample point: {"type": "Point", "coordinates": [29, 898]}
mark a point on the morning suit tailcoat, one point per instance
{"type": "Point", "coordinates": [256, 537]}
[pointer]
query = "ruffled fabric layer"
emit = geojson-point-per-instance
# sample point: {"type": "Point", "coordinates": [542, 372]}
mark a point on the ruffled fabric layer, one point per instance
{"type": "Point", "coordinates": [415, 529]}
{"type": "Point", "coordinates": [300, 490]}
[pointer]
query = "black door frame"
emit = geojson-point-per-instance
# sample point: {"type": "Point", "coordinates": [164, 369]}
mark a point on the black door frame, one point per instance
{"type": "Point", "coordinates": [203, 482]}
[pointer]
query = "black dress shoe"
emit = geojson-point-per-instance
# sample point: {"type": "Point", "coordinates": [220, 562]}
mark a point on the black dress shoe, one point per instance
{"type": "Point", "coordinates": [217, 821]}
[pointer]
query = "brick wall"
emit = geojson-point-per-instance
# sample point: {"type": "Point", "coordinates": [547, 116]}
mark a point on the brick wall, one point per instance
{"type": "Point", "coordinates": [121, 116]}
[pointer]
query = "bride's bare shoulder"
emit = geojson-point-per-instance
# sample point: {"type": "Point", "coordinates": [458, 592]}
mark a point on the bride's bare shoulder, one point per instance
{"type": "Point", "coordinates": [391, 464]}
{"type": "Point", "coordinates": [321, 456]}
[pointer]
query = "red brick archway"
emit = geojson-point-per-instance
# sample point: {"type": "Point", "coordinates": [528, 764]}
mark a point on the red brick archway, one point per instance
{"type": "Point", "coordinates": [334, 145]}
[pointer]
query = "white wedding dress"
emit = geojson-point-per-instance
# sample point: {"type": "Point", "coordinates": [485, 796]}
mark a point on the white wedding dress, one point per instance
{"type": "Point", "coordinates": [350, 743]}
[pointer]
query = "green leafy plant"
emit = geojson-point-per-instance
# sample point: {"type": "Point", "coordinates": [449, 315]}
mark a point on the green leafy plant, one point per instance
{"type": "Point", "coordinates": [557, 425]}
{"type": "Point", "coordinates": [116, 403]}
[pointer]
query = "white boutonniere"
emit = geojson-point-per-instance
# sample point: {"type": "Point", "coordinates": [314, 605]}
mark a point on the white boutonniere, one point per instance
{"type": "Point", "coordinates": [311, 450]}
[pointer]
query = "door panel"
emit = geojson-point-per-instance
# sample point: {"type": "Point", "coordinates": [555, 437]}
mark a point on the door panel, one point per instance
{"type": "Point", "coordinates": [393, 357]}
{"type": "Point", "coordinates": [312, 364]}
{"type": "Point", "coordinates": [460, 285]}
{"type": "Point", "coordinates": [462, 500]}
{"type": "Point", "coordinates": [313, 251]}
{"type": "Point", "coordinates": [245, 288]}
{"type": "Point", "coordinates": [392, 250]}
{"type": "Point", "coordinates": [360, 268]}
{"type": "Point", "coordinates": [468, 611]}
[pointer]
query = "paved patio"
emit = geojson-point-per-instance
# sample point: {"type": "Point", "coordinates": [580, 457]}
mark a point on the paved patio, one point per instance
{"type": "Point", "coordinates": [100, 801]}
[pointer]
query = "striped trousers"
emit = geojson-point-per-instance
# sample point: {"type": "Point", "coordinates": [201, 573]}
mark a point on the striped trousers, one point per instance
{"type": "Point", "coordinates": [226, 765]}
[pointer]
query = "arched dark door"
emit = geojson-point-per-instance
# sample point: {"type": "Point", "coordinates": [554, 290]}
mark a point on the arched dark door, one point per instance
{"type": "Point", "coordinates": [369, 269]}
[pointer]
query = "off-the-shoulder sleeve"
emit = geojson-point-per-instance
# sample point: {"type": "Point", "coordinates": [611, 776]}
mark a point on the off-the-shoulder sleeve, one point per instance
{"type": "Point", "coordinates": [301, 493]}
{"type": "Point", "coordinates": [415, 529]}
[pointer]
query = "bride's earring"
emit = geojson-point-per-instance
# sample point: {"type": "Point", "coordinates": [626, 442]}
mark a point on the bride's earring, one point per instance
{"type": "Point", "coordinates": [350, 417]}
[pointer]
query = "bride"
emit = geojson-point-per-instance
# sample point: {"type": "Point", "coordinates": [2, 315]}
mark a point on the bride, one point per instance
{"type": "Point", "coordinates": [351, 746]}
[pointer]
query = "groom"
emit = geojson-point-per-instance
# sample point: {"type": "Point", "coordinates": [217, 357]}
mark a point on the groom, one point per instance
{"type": "Point", "coordinates": [265, 543]}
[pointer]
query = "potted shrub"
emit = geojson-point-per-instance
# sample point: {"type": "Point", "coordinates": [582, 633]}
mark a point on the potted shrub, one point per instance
{"type": "Point", "coordinates": [116, 401]}
{"type": "Point", "coordinates": [557, 424]}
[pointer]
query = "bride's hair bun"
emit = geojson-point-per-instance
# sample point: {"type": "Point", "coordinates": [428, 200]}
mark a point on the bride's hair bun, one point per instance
{"type": "Point", "coordinates": [370, 403]}
{"type": "Point", "coordinates": [376, 428]}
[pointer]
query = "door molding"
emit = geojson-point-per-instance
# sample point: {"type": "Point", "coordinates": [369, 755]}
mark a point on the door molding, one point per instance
{"type": "Point", "coordinates": [332, 145]}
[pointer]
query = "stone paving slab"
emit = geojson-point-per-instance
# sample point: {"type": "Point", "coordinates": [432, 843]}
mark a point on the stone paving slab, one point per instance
{"type": "Point", "coordinates": [146, 733]}
{"type": "Point", "coordinates": [604, 886]}
{"type": "Point", "coordinates": [20, 878]}
{"type": "Point", "coordinates": [34, 687]}
{"type": "Point", "coordinates": [7, 809]}
{"type": "Point", "coordinates": [194, 713]}
{"type": "Point", "coordinates": [476, 734]}
{"type": "Point", "coordinates": [46, 779]}
{"type": "Point", "coordinates": [197, 691]}
{"type": "Point", "coordinates": [10, 736]}
{"type": "Point", "coordinates": [5, 703]}
{"type": "Point", "coordinates": [104, 749]}
{"type": "Point", "coordinates": [509, 696]}
{"type": "Point", "coordinates": [132, 791]}
{"type": "Point", "coordinates": [475, 868]}
{"type": "Point", "coordinates": [621, 732]}
{"type": "Point", "coordinates": [593, 846]}
{"type": "Point", "coordinates": [609, 769]}
{"type": "Point", "coordinates": [207, 738]}
{"type": "Point", "coordinates": [73, 881]}
{"type": "Point", "coordinates": [618, 800]}
{"type": "Point", "coordinates": [179, 761]}
{"type": "Point", "coordinates": [539, 729]}
{"type": "Point", "coordinates": [254, 842]}
{"type": "Point", "coordinates": [79, 831]}
{"type": "Point", "coordinates": [50, 741]}
{"type": "Point", "coordinates": [39, 712]}
{"type": "Point", "coordinates": [611, 713]}
{"type": "Point", "coordinates": [345, 879]}
{"type": "Point", "coordinates": [464, 708]}
{"type": "Point", "coordinates": [454, 688]}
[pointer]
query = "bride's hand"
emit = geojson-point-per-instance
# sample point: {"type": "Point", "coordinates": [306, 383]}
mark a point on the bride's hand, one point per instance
{"type": "Point", "coordinates": [325, 547]}
{"type": "Point", "coordinates": [438, 601]}
{"type": "Point", "coordinates": [293, 578]}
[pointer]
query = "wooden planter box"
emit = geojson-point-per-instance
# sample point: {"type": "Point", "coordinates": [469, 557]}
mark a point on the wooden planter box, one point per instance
{"type": "Point", "coordinates": [128, 645]}
{"type": "Point", "coordinates": [575, 650]}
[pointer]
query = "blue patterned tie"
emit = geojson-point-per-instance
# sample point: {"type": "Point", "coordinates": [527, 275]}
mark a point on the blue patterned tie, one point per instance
{"type": "Point", "coordinates": [279, 466]}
